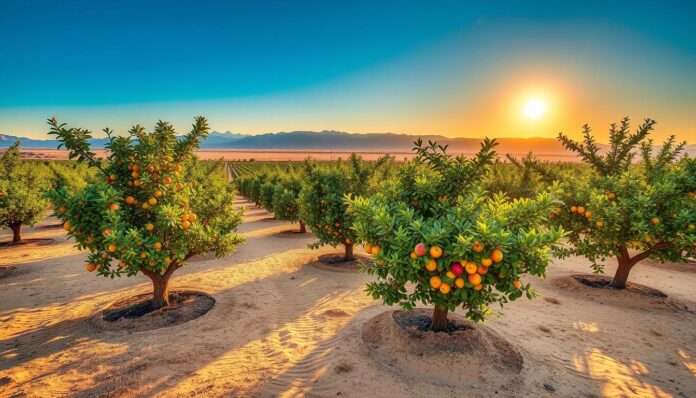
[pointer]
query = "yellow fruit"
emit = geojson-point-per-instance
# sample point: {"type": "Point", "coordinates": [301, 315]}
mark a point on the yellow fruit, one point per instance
{"type": "Point", "coordinates": [470, 267]}
{"type": "Point", "coordinates": [486, 262]}
{"type": "Point", "coordinates": [611, 196]}
{"type": "Point", "coordinates": [413, 256]}
{"type": "Point", "coordinates": [497, 255]}
{"type": "Point", "coordinates": [475, 279]}
{"type": "Point", "coordinates": [431, 265]}
{"type": "Point", "coordinates": [90, 267]}
{"type": "Point", "coordinates": [67, 226]}
{"type": "Point", "coordinates": [573, 209]}
{"type": "Point", "coordinates": [599, 224]}
{"type": "Point", "coordinates": [692, 227]}
{"type": "Point", "coordinates": [450, 275]}
{"type": "Point", "coordinates": [168, 260]}
{"type": "Point", "coordinates": [435, 282]}
{"type": "Point", "coordinates": [445, 288]}
{"type": "Point", "coordinates": [459, 282]}
{"type": "Point", "coordinates": [435, 252]}
{"type": "Point", "coordinates": [152, 201]}
{"type": "Point", "coordinates": [146, 205]}
{"type": "Point", "coordinates": [149, 227]}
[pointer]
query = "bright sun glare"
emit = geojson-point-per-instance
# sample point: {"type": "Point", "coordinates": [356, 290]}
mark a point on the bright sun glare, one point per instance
{"type": "Point", "coordinates": [534, 108]}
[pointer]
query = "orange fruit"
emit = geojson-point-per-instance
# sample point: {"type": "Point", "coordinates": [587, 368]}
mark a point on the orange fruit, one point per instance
{"type": "Point", "coordinates": [121, 263]}
{"type": "Point", "coordinates": [149, 227]}
{"type": "Point", "coordinates": [135, 174]}
{"type": "Point", "coordinates": [497, 255]}
{"type": "Point", "coordinates": [435, 282]}
{"type": "Point", "coordinates": [445, 288]}
{"type": "Point", "coordinates": [61, 209]}
{"type": "Point", "coordinates": [146, 205]}
{"type": "Point", "coordinates": [486, 262]}
{"type": "Point", "coordinates": [136, 183]}
{"type": "Point", "coordinates": [107, 232]}
{"type": "Point", "coordinates": [573, 209]}
{"type": "Point", "coordinates": [450, 275]}
{"type": "Point", "coordinates": [90, 267]}
{"type": "Point", "coordinates": [179, 186]}
{"type": "Point", "coordinates": [368, 248]}
{"type": "Point", "coordinates": [167, 180]}
{"type": "Point", "coordinates": [611, 196]}
{"type": "Point", "coordinates": [475, 279]}
{"type": "Point", "coordinates": [130, 200]}
{"type": "Point", "coordinates": [435, 252]}
{"type": "Point", "coordinates": [112, 248]}
{"type": "Point", "coordinates": [413, 256]}
{"type": "Point", "coordinates": [478, 287]}
{"type": "Point", "coordinates": [588, 214]}
{"type": "Point", "coordinates": [459, 282]}
{"type": "Point", "coordinates": [185, 224]}
{"type": "Point", "coordinates": [152, 201]}
{"type": "Point", "coordinates": [167, 259]}
{"type": "Point", "coordinates": [470, 267]}
{"type": "Point", "coordinates": [157, 246]}
{"type": "Point", "coordinates": [177, 168]}
{"type": "Point", "coordinates": [655, 220]}
{"type": "Point", "coordinates": [158, 193]}
{"type": "Point", "coordinates": [113, 207]}
{"type": "Point", "coordinates": [376, 250]}
{"type": "Point", "coordinates": [581, 209]}
{"type": "Point", "coordinates": [67, 226]}
{"type": "Point", "coordinates": [431, 265]}
{"type": "Point", "coordinates": [517, 284]}
{"type": "Point", "coordinates": [192, 218]}
{"type": "Point", "coordinates": [136, 167]}
{"type": "Point", "coordinates": [143, 255]}
{"type": "Point", "coordinates": [185, 217]}
{"type": "Point", "coordinates": [478, 247]}
{"type": "Point", "coordinates": [482, 270]}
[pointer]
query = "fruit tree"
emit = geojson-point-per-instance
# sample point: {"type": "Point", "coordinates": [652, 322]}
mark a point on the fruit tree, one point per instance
{"type": "Point", "coordinates": [152, 210]}
{"type": "Point", "coordinates": [631, 211]}
{"type": "Point", "coordinates": [437, 229]}
{"type": "Point", "coordinates": [285, 198]}
{"type": "Point", "coordinates": [22, 186]}
{"type": "Point", "coordinates": [322, 204]}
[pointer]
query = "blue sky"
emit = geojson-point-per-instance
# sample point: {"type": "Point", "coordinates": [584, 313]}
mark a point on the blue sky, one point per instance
{"type": "Point", "coordinates": [450, 67]}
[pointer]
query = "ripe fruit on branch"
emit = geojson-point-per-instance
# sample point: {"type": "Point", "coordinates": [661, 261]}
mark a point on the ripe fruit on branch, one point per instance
{"type": "Point", "coordinates": [420, 249]}
{"type": "Point", "coordinates": [435, 252]}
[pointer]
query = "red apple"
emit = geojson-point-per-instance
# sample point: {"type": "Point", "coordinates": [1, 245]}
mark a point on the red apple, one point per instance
{"type": "Point", "coordinates": [456, 268]}
{"type": "Point", "coordinates": [420, 249]}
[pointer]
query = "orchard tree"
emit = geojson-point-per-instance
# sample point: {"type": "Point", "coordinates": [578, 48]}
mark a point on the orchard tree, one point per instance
{"type": "Point", "coordinates": [22, 186]}
{"type": "Point", "coordinates": [322, 204]}
{"type": "Point", "coordinates": [437, 230]}
{"type": "Point", "coordinates": [153, 208]}
{"type": "Point", "coordinates": [286, 198]}
{"type": "Point", "coordinates": [630, 211]}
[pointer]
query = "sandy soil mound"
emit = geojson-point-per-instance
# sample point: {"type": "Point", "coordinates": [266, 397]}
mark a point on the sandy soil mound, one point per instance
{"type": "Point", "coordinates": [467, 355]}
{"type": "Point", "coordinates": [636, 296]}
{"type": "Point", "coordinates": [136, 313]}
{"type": "Point", "coordinates": [335, 263]}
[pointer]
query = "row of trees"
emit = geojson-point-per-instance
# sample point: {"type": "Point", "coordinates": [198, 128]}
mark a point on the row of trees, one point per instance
{"type": "Point", "coordinates": [438, 224]}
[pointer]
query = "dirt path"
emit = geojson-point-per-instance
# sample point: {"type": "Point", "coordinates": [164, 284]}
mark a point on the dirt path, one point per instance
{"type": "Point", "coordinates": [281, 327]}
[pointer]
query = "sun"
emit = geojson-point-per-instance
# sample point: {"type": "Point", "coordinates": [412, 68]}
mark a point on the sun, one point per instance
{"type": "Point", "coordinates": [534, 108]}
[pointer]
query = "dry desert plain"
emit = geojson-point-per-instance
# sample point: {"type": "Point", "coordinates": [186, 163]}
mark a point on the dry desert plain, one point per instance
{"type": "Point", "coordinates": [282, 326]}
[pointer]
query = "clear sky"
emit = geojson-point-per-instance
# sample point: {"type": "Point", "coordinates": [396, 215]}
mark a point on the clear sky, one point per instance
{"type": "Point", "coordinates": [457, 68]}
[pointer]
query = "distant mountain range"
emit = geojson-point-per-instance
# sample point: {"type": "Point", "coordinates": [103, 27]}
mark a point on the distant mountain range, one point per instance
{"type": "Point", "coordinates": [329, 140]}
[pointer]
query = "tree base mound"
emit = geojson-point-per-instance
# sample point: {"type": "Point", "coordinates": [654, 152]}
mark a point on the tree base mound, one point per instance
{"type": "Point", "coordinates": [337, 263]}
{"type": "Point", "coordinates": [136, 314]}
{"type": "Point", "coordinates": [6, 271]}
{"type": "Point", "coordinates": [292, 233]}
{"type": "Point", "coordinates": [465, 355]}
{"type": "Point", "coordinates": [29, 242]}
{"type": "Point", "coordinates": [597, 288]}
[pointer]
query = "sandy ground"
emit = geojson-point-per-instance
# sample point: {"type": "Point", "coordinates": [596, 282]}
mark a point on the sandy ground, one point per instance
{"type": "Point", "coordinates": [281, 327]}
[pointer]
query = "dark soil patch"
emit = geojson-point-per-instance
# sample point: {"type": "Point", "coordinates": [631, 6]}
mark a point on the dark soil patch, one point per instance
{"type": "Point", "coordinates": [292, 233]}
{"type": "Point", "coordinates": [29, 242]}
{"type": "Point", "coordinates": [468, 354]}
{"type": "Point", "coordinates": [6, 271]}
{"type": "Point", "coordinates": [269, 219]}
{"type": "Point", "coordinates": [422, 322]}
{"type": "Point", "coordinates": [337, 263]}
{"type": "Point", "coordinates": [137, 314]}
{"type": "Point", "coordinates": [604, 282]}
{"type": "Point", "coordinates": [51, 226]}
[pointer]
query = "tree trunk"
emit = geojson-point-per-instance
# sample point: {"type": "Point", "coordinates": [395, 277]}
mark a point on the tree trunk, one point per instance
{"type": "Point", "coordinates": [348, 252]}
{"type": "Point", "coordinates": [160, 289]}
{"type": "Point", "coordinates": [16, 232]}
{"type": "Point", "coordinates": [439, 320]}
{"type": "Point", "coordinates": [303, 229]}
{"type": "Point", "coordinates": [621, 275]}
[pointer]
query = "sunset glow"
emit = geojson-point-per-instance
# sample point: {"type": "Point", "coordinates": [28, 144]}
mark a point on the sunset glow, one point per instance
{"type": "Point", "coordinates": [534, 108]}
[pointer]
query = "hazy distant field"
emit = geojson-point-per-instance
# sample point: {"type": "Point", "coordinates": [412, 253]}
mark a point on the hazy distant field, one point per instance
{"type": "Point", "coordinates": [228, 154]}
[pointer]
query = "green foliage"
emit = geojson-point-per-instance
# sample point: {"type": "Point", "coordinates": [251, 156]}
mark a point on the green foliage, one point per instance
{"type": "Point", "coordinates": [22, 184]}
{"type": "Point", "coordinates": [155, 205]}
{"type": "Point", "coordinates": [647, 207]}
{"type": "Point", "coordinates": [437, 201]}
